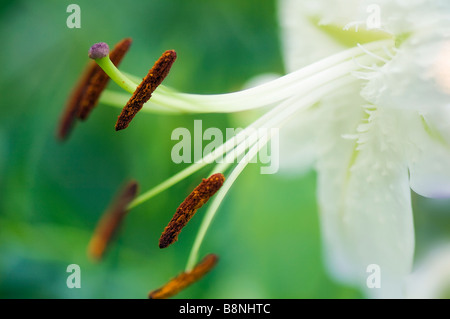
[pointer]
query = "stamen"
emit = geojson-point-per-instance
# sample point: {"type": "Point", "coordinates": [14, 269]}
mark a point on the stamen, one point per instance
{"type": "Point", "coordinates": [144, 91]}
{"type": "Point", "coordinates": [199, 196]}
{"type": "Point", "coordinates": [100, 79]}
{"type": "Point", "coordinates": [286, 112]}
{"type": "Point", "coordinates": [376, 56]}
{"type": "Point", "coordinates": [212, 209]}
{"type": "Point", "coordinates": [185, 279]}
{"type": "Point", "coordinates": [73, 104]}
{"type": "Point", "coordinates": [89, 88]}
{"type": "Point", "coordinates": [110, 221]}
{"type": "Point", "coordinates": [269, 119]}
{"type": "Point", "coordinates": [269, 94]}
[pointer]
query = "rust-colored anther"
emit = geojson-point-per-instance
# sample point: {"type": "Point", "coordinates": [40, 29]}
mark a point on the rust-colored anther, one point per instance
{"type": "Point", "coordinates": [144, 91]}
{"type": "Point", "coordinates": [110, 221]}
{"type": "Point", "coordinates": [73, 104]}
{"type": "Point", "coordinates": [185, 279]}
{"type": "Point", "coordinates": [100, 79]}
{"type": "Point", "coordinates": [199, 196]}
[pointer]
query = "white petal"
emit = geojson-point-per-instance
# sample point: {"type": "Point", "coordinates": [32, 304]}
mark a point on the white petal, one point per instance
{"type": "Point", "coordinates": [431, 278]}
{"type": "Point", "coordinates": [334, 157]}
{"type": "Point", "coordinates": [337, 12]}
{"type": "Point", "coordinates": [365, 207]}
{"type": "Point", "coordinates": [411, 80]}
{"type": "Point", "coordinates": [299, 138]}
{"type": "Point", "coordinates": [298, 142]}
{"type": "Point", "coordinates": [409, 16]}
{"type": "Point", "coordinates": [429, 159]}
{"type": "Point", "coordinates": [303, 42]}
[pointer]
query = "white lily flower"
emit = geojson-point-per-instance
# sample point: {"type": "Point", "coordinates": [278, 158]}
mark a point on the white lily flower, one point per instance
{"type": "Point", "coordinates": [372, 150]}
{"type": "Point", "coordinates": [431, 277]}
{"type": "Point", "coordinates": [369, 109]}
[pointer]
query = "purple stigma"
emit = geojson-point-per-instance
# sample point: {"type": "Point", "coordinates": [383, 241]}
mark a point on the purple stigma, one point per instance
{"type": "Point", "coordinates": [98, 50]}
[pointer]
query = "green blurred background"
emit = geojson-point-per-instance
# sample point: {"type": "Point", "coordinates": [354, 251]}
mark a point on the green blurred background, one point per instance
{"type": "Point", "coordinates": [52, 194]}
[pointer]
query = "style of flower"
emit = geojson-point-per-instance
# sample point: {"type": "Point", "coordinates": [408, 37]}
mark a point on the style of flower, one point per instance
{"type": "Point", "coordinates": [369, 108]}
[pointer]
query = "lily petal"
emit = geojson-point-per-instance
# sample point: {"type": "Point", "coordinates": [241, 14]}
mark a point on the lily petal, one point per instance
{"type": "Point", "coordinates": [431, 277]}
{"type": "Point", "coordinates": [303, 42]}
{"type": "Point", "coordinates": [298, 142]}
{"type": "Point", "coordinates": [429, 160]}
{"type": "Point", "coordinates": [365, 204]}
{"type": "Point", "coordinates": [414, 79]}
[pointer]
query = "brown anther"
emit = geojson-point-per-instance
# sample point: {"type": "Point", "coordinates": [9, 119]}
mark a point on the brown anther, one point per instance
{"type": "Point", "coordinates": [100, 79]}
{"type": "Point", "coordinates": [185, 279]}
{"type": "Point", "coordinates": [199, 196]}
{"type": "Point", "coordinates": [144, 91]}
{"type": "Point", "coordinates": [110, 221]}
{"type": "Point", "coordinates": [88, 90]}
{"type": "Point", "coordinates": [73, 104]}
